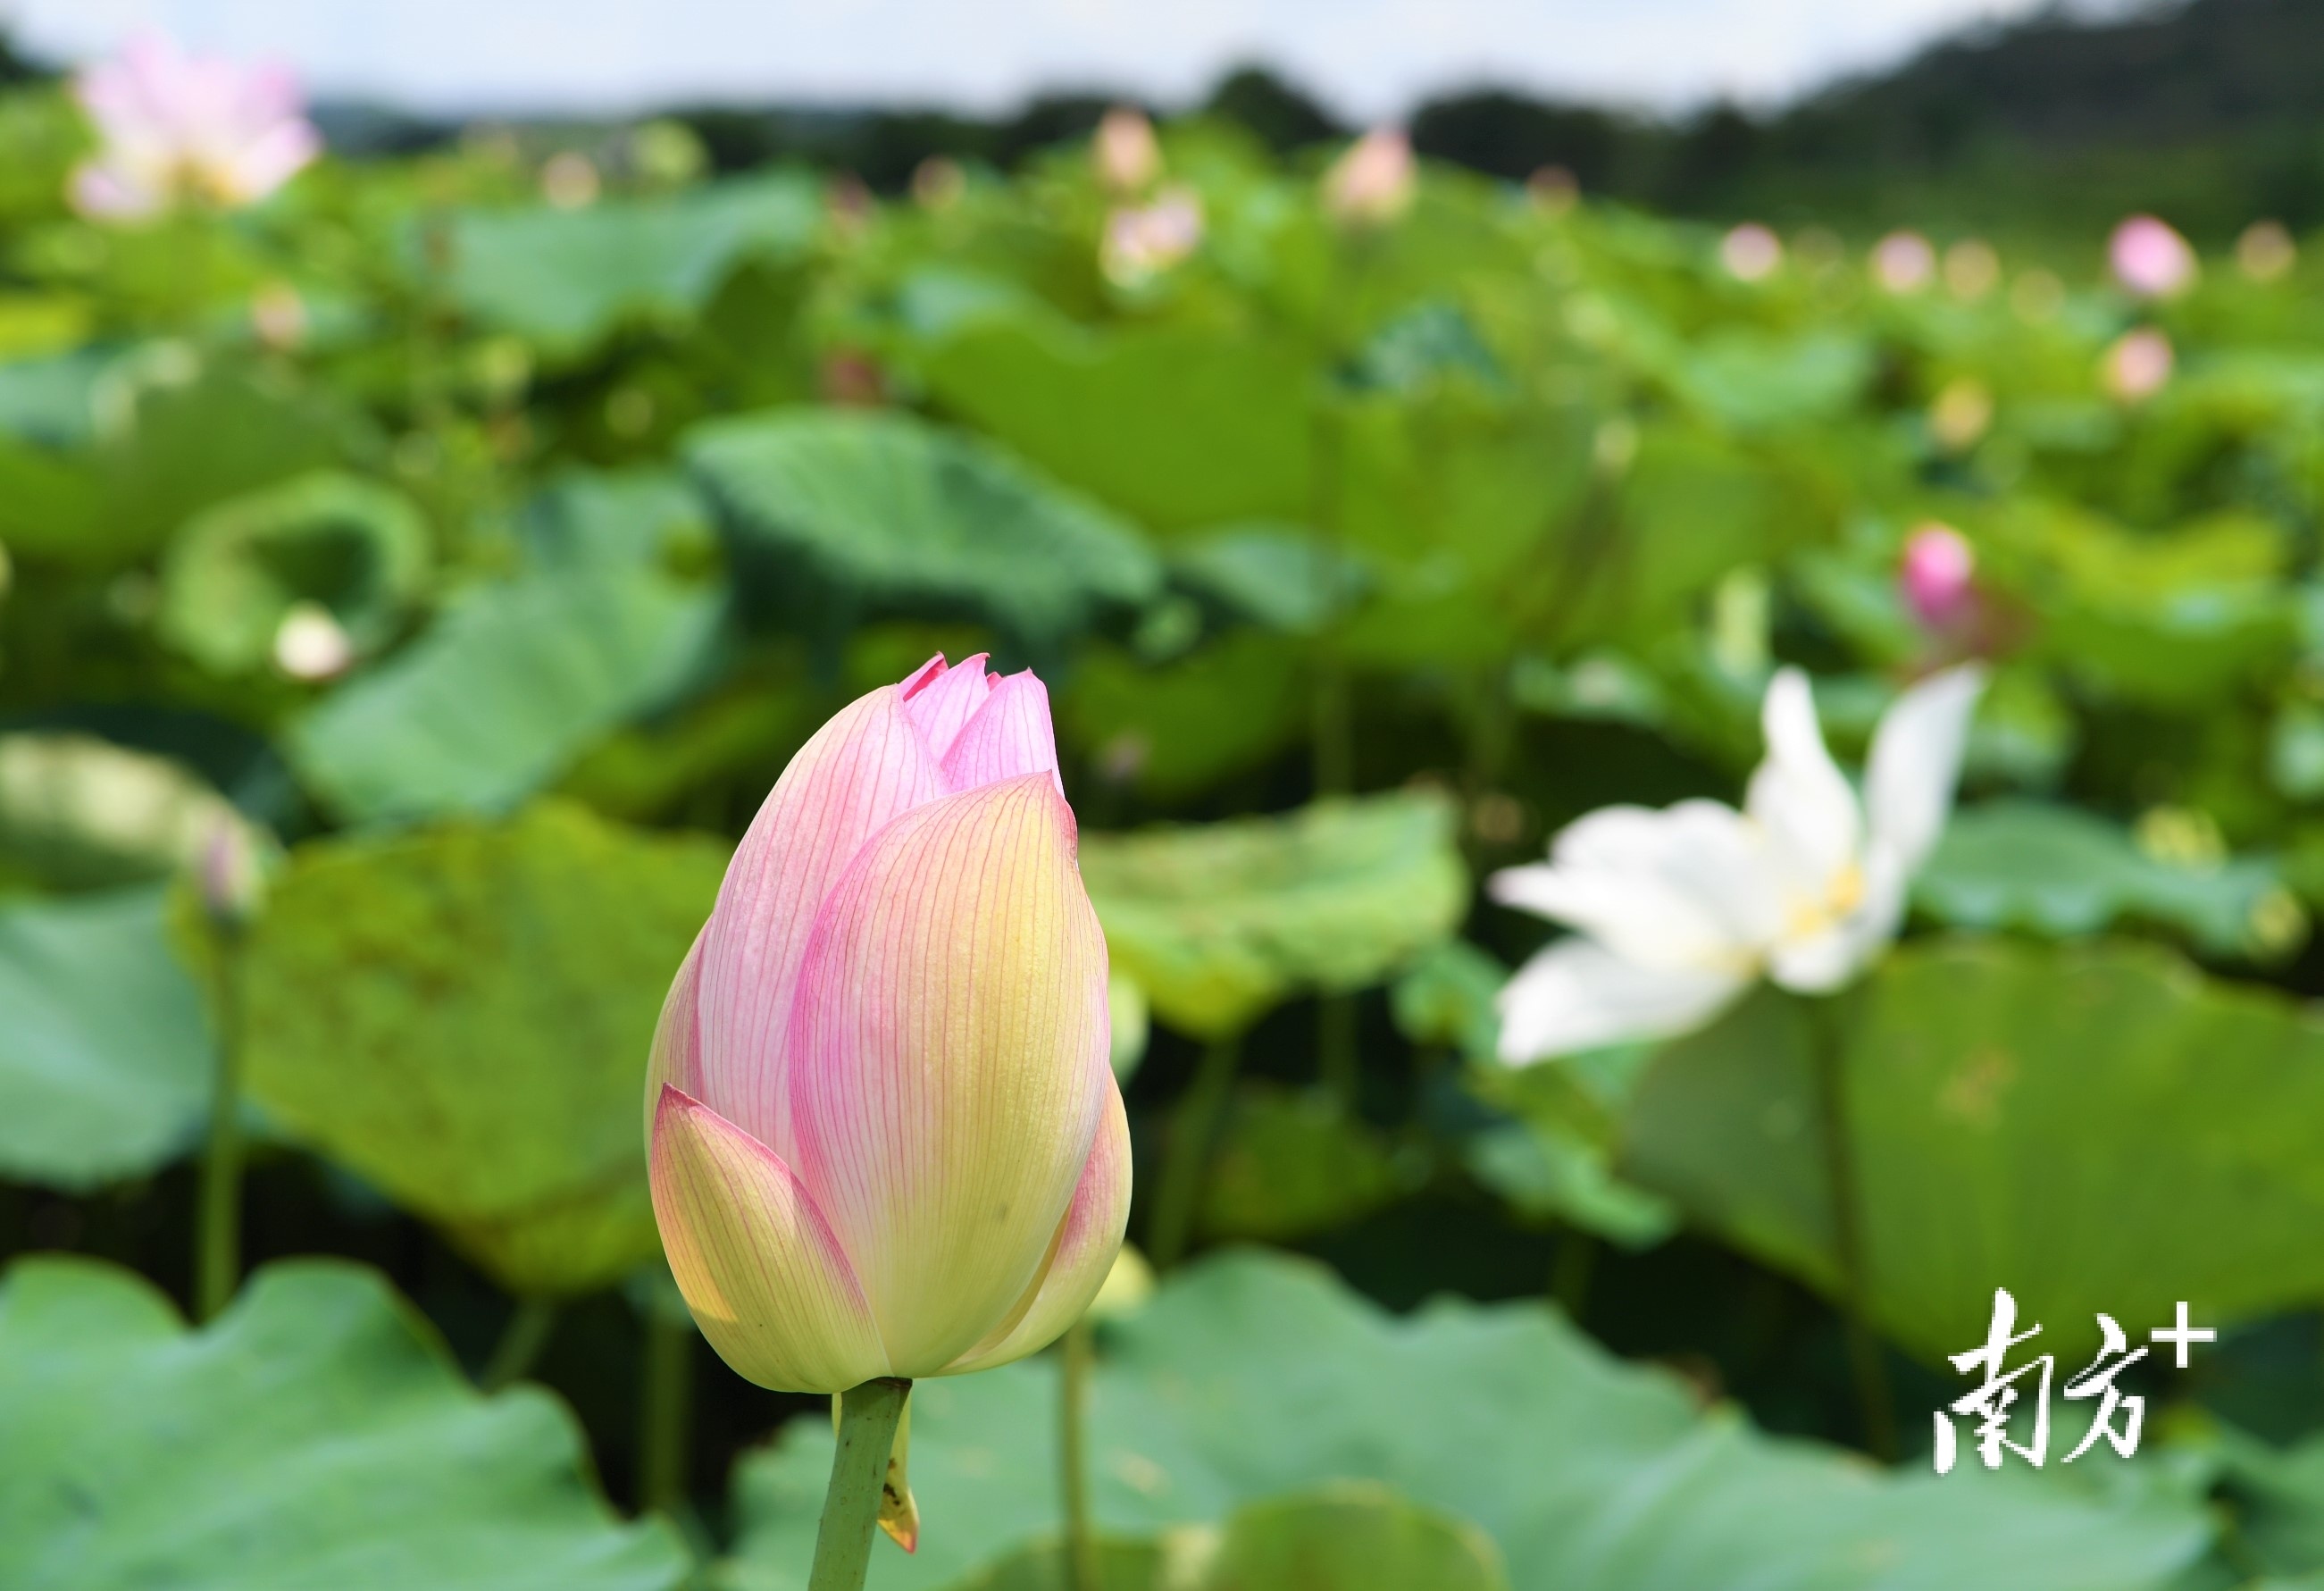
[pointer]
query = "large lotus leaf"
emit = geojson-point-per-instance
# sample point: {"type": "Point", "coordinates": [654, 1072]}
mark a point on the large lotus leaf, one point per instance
{"type": "Point", "coordinates": [1347, 1538]}
{"type": "Point", "coordinates": [898, 516]}
{"type": "Point", "coordinates": [179, 438]}
{"type": "Point", "coordinates": [1220, 921]}
{"type": "Point", "coordinates": [52, 400]}
{"type": "Point", "coordinates": [78, 812]}
{"type": "Point", "coordinates": [358, 549]}
{"type": "Point", "coordinates": [1175, 729]}
{"type": "Point", "coordinates": [2165, 621]}
{"type": "Point", "coordinates": [1755, 381]}
{"type": "Point", "coordinates": [510, 685]}
{"type": "Point", "coordinates": [105, 1061]}
{"type": "Point", "coordinates": [2063, 872]}
{"type": "Point", "coordinates": [1293, 1163]}
{"type": "Point", "coordinates": [565, 279]}
{"type": "Point", "coordinates": [462, 1015]}
{"type": "Point", "coordinates": [2098, 1129]}
{"type": "Point", "coordinates": [1178, 426]}
{"type": "Point", "coordinates": [314, 1434]}
{"type": "Point", "coordinates": [1251, 1374]}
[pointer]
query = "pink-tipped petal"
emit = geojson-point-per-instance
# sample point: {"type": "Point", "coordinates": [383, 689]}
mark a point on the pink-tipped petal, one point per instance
{"type": "Point", "coordinates": [947, 1061]}
{"type": "Point", "coordinates": [272, 158]}
{"type": "Point", "coordinates": [1088, 1239]}
{"type": "Point", "coordinates": [675, 1059]}
{"type": "Point", "coordinates": [862, 770]}
{"type": "Point", "coordinates": [1010, 736]}
{"type": "Point", "coordinates": [946, 702]}
{"type": "Point", "coordinates": [767, 1280]}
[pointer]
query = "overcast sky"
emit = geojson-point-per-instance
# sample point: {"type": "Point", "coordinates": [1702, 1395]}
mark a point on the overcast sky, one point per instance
{"type": "Point", "coordinates": [1366, 58]}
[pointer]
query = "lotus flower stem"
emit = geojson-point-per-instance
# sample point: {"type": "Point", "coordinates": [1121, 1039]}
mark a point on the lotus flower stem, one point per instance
{"type": "Point", "coordinates": [1336, 1059]}
{"type": "Point", "coordinates": [664, 1413]}
{"type": "Point", "coordinates": [1073, 1395]}
{"type": "Point", "coordinates": [217, 1234]}
{"type": "Point", "coordinates": [1864, 1357]}
{"type": "Point", "coordinates": [859, 1475]}
{"type": "Point", "coordinates": [521, 1340]}
{"type": "Point", "coordinates": [1194, 1128]}
{"type": "Point", "coordinates": [1570, 1269]}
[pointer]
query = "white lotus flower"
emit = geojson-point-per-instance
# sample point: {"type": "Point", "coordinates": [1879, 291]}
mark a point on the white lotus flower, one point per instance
{"type": "Point", "coordinates": [1677, 912]}
{"type": "Point", "coordinates": [174, 127]}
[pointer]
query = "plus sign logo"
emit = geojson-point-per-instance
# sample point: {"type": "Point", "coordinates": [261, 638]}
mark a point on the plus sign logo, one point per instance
{"type": "Point", "coordinates": [2182, 1337]}
{"type": "Point", "coordinates": [2018, 1399]}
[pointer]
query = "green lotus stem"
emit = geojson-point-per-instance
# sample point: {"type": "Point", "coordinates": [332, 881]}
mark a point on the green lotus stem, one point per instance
{"type": "Point", "coordinates": [1073, 1396]}
{"type": "Point", "coordinates": [218, 1231]}
{"type": "Point", "coordinates": [1194, 1128]}
{"type": "Point", "coordinates": [521, 1340]}
{"type": "Point", "coordinates": [1866, 1365]}
{"type": "Point", "coordinates": [1570, 1269]}
{"type": "Point", "coordinates": [859, 1475]}
{"type": "Point", "coordinates": [1337, 1061]}
{"type": "Point", "coordinates": [665, 1412]}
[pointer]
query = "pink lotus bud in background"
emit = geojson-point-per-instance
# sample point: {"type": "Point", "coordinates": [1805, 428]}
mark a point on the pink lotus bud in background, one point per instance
{"type": "Point", "coordinates": [1938, 576]}
{"type": "Point", "coordinates": [229, 873]}
{"type": "Point", "coordinates": [1141, 242]}
{"type": "Point", "coordinates": [2265, 251]}
{"type": "Point", "coordinates": [1371, 184]}
{"type": "Point", "coordinates": [884, 1136]}
{"type": "Point", "coordinates": [2137, 364]}
{"type": "Point", "coordinates": [1750, 252]}
{"type": "Point", "coordinates": [1903, 262]}
{"type": "Point", "coordinates": [2150, 259]}
{"type": "Point", "coordinates": [174, 128]}
{"type": "Point", "coordinates": [1127, 155]}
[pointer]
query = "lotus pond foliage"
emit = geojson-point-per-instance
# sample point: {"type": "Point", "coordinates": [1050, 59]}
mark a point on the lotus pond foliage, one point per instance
{"type": "Point", "coordinates": [416, 573]}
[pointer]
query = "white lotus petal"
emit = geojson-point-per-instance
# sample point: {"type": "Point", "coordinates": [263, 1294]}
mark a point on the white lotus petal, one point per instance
{"type": "Point", "coordinates": [1577, 995]}
{"type": "Point", "coordinates": [1916, 758]}
{"type": "Point", "coordinates": [1799, 797]}
{"type": "Point", "coordinates": [1685, 887]}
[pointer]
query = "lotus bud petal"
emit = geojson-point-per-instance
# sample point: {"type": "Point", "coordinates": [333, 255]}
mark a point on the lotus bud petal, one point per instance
{"type": "Point", "coordinates": [1371, 184]}
{"type": "Point", "coordinates": [2150, 259]}
{"type": "Point", "coordinates": [884, 1134]}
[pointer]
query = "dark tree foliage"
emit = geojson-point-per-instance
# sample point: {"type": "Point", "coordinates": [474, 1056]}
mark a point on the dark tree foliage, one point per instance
{"type": "Point", "coordinates": [1278, 115]}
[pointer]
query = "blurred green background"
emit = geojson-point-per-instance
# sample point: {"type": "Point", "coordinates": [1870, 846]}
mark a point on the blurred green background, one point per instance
{"type": "Point", "coordinates": [477, 525]}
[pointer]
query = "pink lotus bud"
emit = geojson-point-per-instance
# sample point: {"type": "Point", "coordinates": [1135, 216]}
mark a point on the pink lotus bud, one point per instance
{"type": "Point", "coordinates": [884, 1136]}
{"type": "Point", "coordinates": [229, 874]}
{"type": "Point", "coordinates": [2137, 364]}
{"type": "Point", "coordinates": [1127, 155]}
{"type": "Point", "coordinates": [1938, 576]}
{"type": "Point", "coordinates": [1141, 242]}
{"type": "Point", "coordinates": [1903, 262]}
{"type": "Point", "coordinates": [175, 128]}
{"type": "Point", "coordinates": [2150, 259]}
{"type": "Point", "coordinates": [1372, 183]}
{"type": "Point", "coordinates": [1750, 252]}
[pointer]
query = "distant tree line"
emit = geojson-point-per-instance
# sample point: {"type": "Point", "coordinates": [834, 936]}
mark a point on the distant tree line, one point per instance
{"type": "Point", "coordinates": [2209, 112]}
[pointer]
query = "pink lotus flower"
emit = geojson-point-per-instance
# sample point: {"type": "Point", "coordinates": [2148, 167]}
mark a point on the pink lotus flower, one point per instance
{"type": "Point", "coordinates": [2150, 259]}
{"type": "Point", "coordinates": [1143, 242]}
{"type": "Point", "coordinates": [1127, 155]}
{"type": "Point", "coordinates": [2137, 364]}
{"type": "Point", "coordinates": [1903, 262]}
{"type": "Point", "coordinates": [1938, 576]}
{"type": "Point", "coordinates": [1372, 183]}
{"type": "Point", "coordinates": [175, 128]}
{"type": "Point", "coordinates": [884, 1137]}
{"type": "Point", "coordinates": [1750, 252]}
